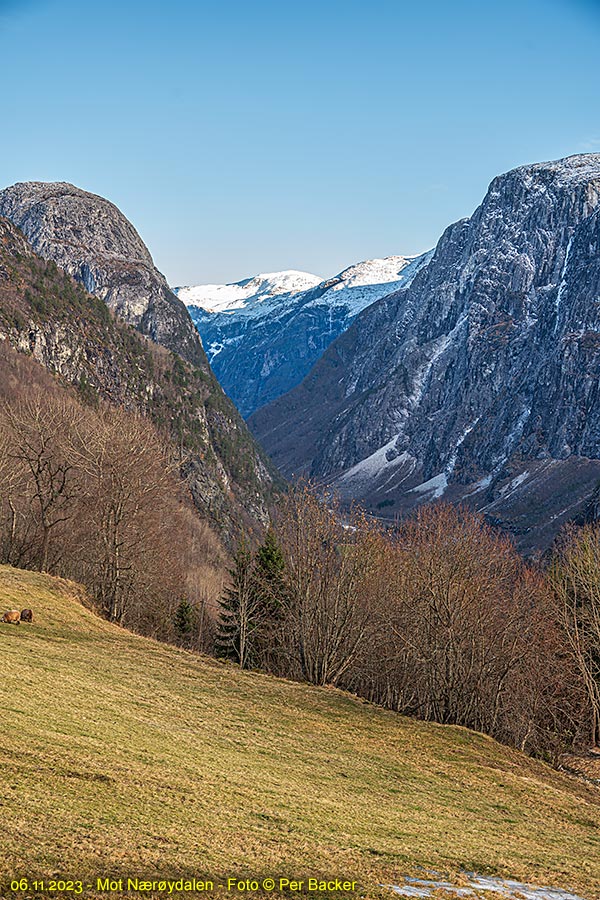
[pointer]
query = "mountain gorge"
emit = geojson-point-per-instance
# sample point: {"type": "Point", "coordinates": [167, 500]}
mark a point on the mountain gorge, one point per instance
{"type": "Point", "coordinates": [48, 316]}
{"type": "Point", "coordinates": [263, 334]}
{"type": "Point", "coordinates": [478, 383]}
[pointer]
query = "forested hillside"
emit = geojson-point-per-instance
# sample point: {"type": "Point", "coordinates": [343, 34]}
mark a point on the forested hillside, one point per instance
{"type": "Point", "coordinates": [74, 335]}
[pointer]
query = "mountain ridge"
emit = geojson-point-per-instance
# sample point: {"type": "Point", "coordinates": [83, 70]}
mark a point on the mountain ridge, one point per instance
{"type": "Point", "coordinates": [482, 372]}
{"type": "Point", "coordinates": [90, 238]}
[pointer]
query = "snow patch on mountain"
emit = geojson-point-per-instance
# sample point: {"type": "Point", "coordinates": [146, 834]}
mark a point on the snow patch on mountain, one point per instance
{"type": "Point", "coordinates": [362, 284]}
{"type": "Point", "coordinates": [263, 295]}
{"type": "Point", "coordinates": [246, 294]}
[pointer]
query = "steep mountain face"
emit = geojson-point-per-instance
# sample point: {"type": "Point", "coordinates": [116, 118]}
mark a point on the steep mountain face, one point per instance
{"type": "Point", "coordinates": [478, 383]}
{"type": "Point", "coordinates": [263, 334]}
{"type": "Point", "coordinates": [91, 239]}
{"type": "Point", "coordinates": [45, 314]}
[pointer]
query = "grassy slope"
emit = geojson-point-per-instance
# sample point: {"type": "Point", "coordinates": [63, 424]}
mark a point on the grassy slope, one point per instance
{"type": "Point", "coordinates": [122, 756]}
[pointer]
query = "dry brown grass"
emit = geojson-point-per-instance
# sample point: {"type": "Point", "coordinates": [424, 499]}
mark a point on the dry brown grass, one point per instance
{"type": "Point", "coordinates": [121, 757]}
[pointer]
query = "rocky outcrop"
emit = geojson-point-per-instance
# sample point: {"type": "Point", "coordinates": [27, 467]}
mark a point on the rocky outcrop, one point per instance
{"type": "Point", "coordinates": [45, 314]}
{"type": "Point", "coordinates": [479, 383]}
{"type": "Point", "coordinates": [263, 334]}
{"type": "Point", "coordinates": [88, 237]}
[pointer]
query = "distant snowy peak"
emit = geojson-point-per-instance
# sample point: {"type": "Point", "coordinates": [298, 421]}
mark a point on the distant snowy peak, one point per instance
{"type": "Point", "coordinates": [362, 284]}
{"type": "Point", "coordinates": [262, 335]}
{"type": "Point", "coordinates": [225, 298]}
{"type": "Point", "coordinates": [374, 271]}
{"type": "Point", "coordinates": [355, 287]}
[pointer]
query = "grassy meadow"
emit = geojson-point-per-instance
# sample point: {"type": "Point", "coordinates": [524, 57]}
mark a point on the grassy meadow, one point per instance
{"type": "Point", "coordinates": [122, 757]}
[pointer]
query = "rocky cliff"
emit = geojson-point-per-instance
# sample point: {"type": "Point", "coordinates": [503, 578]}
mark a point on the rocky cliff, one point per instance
{"type": "Point", "coordinates": [263, 334]}
{"type": "Point", "coordinates": [88, 237]}
{"type": "Point", "coordinates": [47, 315]}
{"type": "Point", "coordinates": [478, 383]}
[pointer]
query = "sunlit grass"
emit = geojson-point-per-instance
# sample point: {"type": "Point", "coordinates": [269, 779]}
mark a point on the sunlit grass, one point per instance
{"type": "Point", "coordinates": [124, 757]}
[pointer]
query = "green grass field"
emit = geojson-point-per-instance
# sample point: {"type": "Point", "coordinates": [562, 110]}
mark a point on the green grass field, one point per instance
{"type": "Point", "coordinates": [123, 757]}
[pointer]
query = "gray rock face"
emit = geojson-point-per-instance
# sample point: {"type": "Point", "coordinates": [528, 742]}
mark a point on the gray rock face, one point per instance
{"type": "Point", "coordinates": [44, 314]}
{"type": "Point", "coordinates": [480, 382]}
{"type": "Point", "coordinates": [263, 335]}
{"type": "Point", "coordinates": [91, 239]}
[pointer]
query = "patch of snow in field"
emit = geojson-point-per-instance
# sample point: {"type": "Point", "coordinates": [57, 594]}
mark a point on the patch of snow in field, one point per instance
{"type": "Point", "coordinates": [505, 887]}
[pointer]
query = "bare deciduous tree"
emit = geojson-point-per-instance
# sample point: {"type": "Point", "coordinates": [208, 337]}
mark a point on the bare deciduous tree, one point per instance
{"type": "Point", "coordinates": [575, 578]}
{"type": "Point", "coordinates": [35, 427]}
{"type": "Point", "coordinates": [326, 564]}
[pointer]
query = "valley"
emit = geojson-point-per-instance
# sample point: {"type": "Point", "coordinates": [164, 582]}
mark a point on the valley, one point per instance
{"type": "Point", "coordinates": [274, 327]}
{"type": "Point", "coordinates": [476, 384]}
{"type": "Point", "coordinates": [300, 451]}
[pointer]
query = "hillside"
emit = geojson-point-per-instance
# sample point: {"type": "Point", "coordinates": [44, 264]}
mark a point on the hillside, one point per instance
{"type": "Point", "coordinates": [263, 334]}
{"type": "Point", "coordinates": [479, 383]}
{"type": "Point", "coordinates": [123, 757]}
{"type": "Point", "coordinates": [46, 314]}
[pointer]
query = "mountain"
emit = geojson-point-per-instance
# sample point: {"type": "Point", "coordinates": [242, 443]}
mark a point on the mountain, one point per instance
{"type": "Point", "coordinates": [88, 237]}
{"type": "Point", "coordinates": [50, 317]}
{"type": "Point", "coordinates": [478, 383]}
{"type": "Point", "coordinates": [263, 334]}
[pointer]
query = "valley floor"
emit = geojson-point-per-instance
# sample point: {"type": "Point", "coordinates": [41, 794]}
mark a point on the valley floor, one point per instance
{"type": "Point", "coordinates": [122, 757]}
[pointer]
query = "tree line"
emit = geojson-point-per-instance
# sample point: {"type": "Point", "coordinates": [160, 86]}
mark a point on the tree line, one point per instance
{"type": "Point", "coordinates": [91, 493]}
{"type": "Point", "coordinates": [438, 617]}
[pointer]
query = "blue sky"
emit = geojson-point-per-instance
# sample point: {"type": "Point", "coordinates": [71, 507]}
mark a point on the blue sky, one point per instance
{"type": "Point", "coordinates": [253, 136]}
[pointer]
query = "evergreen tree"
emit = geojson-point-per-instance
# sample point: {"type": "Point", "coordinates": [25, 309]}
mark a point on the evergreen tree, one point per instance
{"type": "Point", "coordinates": [184, 621]}
{"type": "Point", "coordinates": [237, 619]}
{"type": "Point", "coordinates": [269, 589]}
{"type": "Point", "coordinates": [268, 576]}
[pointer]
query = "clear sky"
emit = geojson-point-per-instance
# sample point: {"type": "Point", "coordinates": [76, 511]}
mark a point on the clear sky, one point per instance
{"type": "Point", "coordinates": [243, 136]}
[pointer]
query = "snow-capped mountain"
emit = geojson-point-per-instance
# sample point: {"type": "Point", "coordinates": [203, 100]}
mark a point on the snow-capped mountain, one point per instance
{"type": "Point", "coordinates": [480, 382]}
{"type": "Point", "coordinates": [262, 335]}
{"type": "Point", "coordinates": [252, 294]}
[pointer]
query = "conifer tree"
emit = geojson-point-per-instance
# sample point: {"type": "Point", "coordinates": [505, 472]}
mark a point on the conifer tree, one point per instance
{"type": "Point", "coordinates": [184, 620]}
{"type": "Point", "coordinates": [269, 588]}
{"type": "Point", "coordinates": [237, 621]}
{"type": "Point", "coordinates": [268, 576]}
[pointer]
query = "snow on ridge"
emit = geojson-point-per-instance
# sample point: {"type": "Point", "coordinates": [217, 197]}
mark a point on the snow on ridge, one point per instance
{"type": "Point", "coordinates": [238, 295]}
{"type": "Point", "coordinates": [364, 283]}
{"type": "Point", "coordinates": [354, 288]}
{"type": "Point", "coordinates": [577, 167]}
{"type": "Point", "coordinates": [370, 271]}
